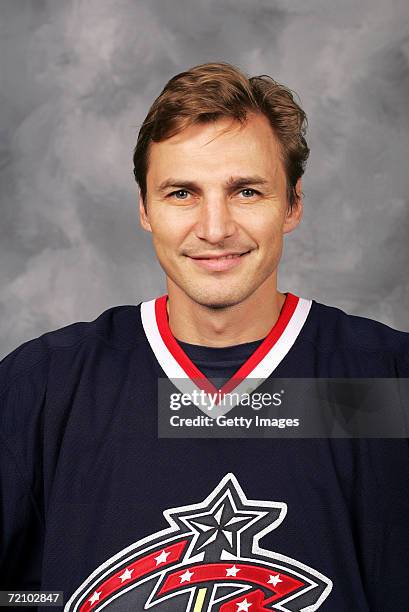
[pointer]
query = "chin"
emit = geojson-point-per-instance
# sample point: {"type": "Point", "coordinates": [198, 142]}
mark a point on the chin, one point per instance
{"type": "Point", "coordinates": [218, 299]}
{"type": "Point", "coordinates": [218, 304]}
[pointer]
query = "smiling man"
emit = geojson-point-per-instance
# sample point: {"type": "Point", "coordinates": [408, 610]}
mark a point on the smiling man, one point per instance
{"type": "Point", "coordinates": [99, 504]}
{"type": "Point", "coordinates": [221, 187]}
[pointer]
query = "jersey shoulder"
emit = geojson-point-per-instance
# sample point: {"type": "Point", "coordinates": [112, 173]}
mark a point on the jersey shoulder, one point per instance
{"type": "Point", "coordinates": [355, 338]}
{"type": "Point", "coordinates": [118, 327]}
{"type": "Point", "coordinates": [334, 327]}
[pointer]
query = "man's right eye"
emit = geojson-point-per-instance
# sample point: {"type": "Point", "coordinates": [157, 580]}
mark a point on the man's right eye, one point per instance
{"type": "Point", "coordinates": [180, 194]}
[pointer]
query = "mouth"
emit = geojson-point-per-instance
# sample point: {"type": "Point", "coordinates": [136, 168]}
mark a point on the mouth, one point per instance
{"type": "Point", "coordinates": [219, 263]}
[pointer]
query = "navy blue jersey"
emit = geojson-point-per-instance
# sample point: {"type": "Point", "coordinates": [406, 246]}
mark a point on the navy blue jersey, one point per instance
{"type": "Point", "coordinates": [94, 504]}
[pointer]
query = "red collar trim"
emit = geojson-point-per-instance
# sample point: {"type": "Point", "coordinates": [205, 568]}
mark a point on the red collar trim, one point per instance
{"type": "Point", "coordinates": [246, 368]}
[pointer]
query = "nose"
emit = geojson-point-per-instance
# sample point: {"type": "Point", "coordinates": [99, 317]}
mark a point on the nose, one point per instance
{"type": "Point", "coordinates": [215, 222]}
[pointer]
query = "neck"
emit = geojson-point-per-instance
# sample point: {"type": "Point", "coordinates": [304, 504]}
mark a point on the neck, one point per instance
{"type": "Point", "coordinates": [247, 321]}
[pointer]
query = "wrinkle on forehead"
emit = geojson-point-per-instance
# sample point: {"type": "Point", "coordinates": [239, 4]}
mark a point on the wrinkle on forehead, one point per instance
{"type": "Point", "coordinates": [196, 138]}
{"type": "Point", "coordinates": [233, 126]}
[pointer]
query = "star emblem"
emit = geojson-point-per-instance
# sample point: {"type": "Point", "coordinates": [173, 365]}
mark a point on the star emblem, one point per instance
{"type": "Point", "coordinates": [219, 527]}
{"type": "Point", "coordinates": [274, 580]}
{"type": "Point", "coordinates": [232, 571]}
{"type": "Point", "coordinates": [162, 558]}
{"type": "Point", "coordinates": [95, 597]}
{"type": "Point", "coordinates": [220, 522]}
{"type": "Point", "coordinates": [206, 539]}
{"type": "Point", "coordinates": [186, 577]}
{"type": "Point", "coordinates": [126, 575]}
{"type": "Point", "coordinates": [243, 605]}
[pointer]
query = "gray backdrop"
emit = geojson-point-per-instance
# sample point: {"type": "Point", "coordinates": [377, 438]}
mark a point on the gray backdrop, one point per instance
{"type": "Point", "coordinates": [77, 78]}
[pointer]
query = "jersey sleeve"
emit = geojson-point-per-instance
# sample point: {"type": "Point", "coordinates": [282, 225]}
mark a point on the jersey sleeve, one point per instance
{"type": "Point", "coordinates": [402, 360]}
{"type": "Point", "coordinates": [402, 372]}
{"type": "Point", "coordinates": [394, 555]}
{"type": "Point", "coordinates": [22, 393]}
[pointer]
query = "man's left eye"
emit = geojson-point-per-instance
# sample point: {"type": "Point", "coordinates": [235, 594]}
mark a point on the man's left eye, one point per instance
{"type": "Point", "coordinates": [248, 193]}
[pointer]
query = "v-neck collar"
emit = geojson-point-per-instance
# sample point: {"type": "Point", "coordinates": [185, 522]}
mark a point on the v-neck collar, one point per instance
{"type": "Point", "coordinates": [262, 362]}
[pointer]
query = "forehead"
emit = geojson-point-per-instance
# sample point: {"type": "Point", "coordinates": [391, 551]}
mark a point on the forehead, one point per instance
{"type": "Point", "coordinates": [212, 150]}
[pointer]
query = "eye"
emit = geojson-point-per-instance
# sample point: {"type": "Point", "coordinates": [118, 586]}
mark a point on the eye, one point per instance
{"type": "Point", "coordinates": [180, 194]}
{"type": "Point", "coordinates": [249, 193]}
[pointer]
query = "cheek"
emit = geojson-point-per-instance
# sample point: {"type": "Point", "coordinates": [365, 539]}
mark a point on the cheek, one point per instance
{"type": "Point", "coordinates": [265, 226]}
{"type": "Point", "coordinates": [168, 231]}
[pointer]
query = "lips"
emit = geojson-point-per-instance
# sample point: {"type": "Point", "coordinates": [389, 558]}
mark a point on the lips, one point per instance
{"type": "Point", "coordinates": [227, 255]}
{"type": "Point", "coordinates": [219, 262]}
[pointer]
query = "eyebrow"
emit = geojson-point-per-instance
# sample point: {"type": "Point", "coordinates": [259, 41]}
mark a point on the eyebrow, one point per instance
{"type": "Point", "coordinates": [234, 182]}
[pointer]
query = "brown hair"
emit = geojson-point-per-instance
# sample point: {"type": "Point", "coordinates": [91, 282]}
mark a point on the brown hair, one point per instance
{"type": "Point", "coordinates": [214, 90]}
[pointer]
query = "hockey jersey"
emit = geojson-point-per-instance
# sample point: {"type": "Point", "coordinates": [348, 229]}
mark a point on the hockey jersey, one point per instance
{"type": "Point", "coordinates": [95, 504]}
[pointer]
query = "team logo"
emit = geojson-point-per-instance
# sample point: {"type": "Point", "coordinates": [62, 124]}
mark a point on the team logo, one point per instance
{"type": "Point", "coordinates": [207, 560]}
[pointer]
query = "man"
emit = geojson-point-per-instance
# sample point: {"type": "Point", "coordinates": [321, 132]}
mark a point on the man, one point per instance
{"type": "Point", "coordinates": [97, 505]}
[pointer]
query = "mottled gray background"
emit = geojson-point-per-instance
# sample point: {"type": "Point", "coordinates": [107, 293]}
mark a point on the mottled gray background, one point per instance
{"type": "Point", "coordinates": [77, 78]}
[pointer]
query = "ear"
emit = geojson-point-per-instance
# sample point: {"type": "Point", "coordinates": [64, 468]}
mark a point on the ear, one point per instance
{"type": "Point", "coordinates": [294, 214]}
{"type": "Point", "coordinates": [143, 215]}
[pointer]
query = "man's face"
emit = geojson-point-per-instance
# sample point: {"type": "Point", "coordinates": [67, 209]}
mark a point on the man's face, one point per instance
{"type": "Point", "coordinates": [217, 209]}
